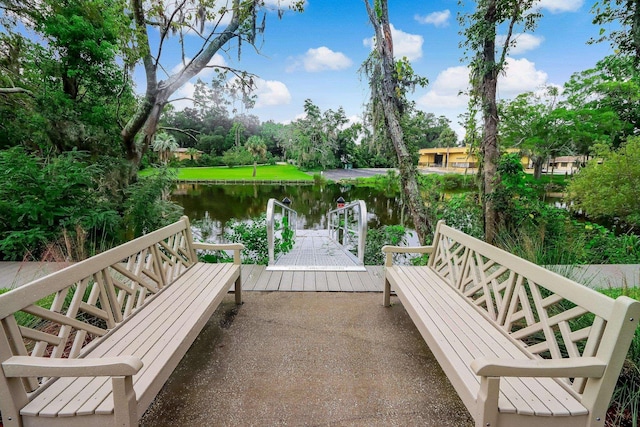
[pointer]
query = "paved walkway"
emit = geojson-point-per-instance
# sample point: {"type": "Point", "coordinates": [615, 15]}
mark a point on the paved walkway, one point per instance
{"type": "Point", "coordinates": [308, 359]}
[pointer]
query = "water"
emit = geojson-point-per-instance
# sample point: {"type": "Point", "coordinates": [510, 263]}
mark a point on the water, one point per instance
{"type": "Point", "coordinates": [211, 206]}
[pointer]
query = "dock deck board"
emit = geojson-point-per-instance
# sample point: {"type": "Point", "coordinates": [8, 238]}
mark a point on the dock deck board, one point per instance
{"type": "Point", "coordinates": [254, 278]}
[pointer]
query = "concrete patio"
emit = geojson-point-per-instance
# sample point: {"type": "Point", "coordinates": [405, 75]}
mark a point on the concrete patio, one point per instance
{"type": "Point", "coordinates": [298, 359]}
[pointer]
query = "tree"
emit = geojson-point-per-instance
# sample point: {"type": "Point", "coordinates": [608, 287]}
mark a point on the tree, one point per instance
{"type": "Point", "coordinates": [528, 123]}
{"type": "Point", "coordinates": [612, 86]}
{"type": "Point", "coordinates": [257, 148]}
{"type": "Point", "coordinates": [611, 188]}
{"type": "Point", "coordinates": [481, 33]}
{"type": "Point", "coordinates": [389, 81]}
{"type": "Point", "coordinates": [73, 90]}
{"type": "Point", "coordinates": [239, 21]}
{"type": "Point", "coordinates": [625, 13]}
{"type": "Point", "coordinates": [164, 144]}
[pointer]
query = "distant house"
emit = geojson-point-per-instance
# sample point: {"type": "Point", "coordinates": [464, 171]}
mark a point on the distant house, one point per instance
{"type": "Point", "coordinates": [183, 154]}
{"type": "Point", "coordinates": [564, 164]}
{"type": "Point", "coordinates": [455, 159]}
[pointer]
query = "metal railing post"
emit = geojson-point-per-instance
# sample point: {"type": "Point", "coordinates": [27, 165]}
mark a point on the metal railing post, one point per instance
{"type": "Point", "coordinates": [292, 221]}
{"type": "Point", "coordinates": [360, 218]}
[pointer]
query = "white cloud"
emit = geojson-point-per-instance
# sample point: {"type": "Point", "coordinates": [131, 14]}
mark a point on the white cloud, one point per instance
{"type": "Point", "coordinates": [444, 92]}
{"type": "Point", "coordinates": [439, 19]}
{"type": "Point", "coordinates": [184, 96]}
{"type": "Point", "coordinates": [321, 59]}
{"type": "Point", "coordinates": [217, 60]}
{"type": "Point", "coordinates": [557, 6]}
{"type": "Point", "coordinates": [523, 42]}
{"type": "Point", "coordinates": [283, 4]}
{"type": "Point", "coordinates": [404, 44]}
{"type": "Point", "coordinates": [521, 76]}
{"type": "Point", "coordinates": [271, 92]}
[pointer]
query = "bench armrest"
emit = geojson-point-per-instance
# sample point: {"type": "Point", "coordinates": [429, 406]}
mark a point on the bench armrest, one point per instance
{"type": "Point", "coordinates": [390, 250]}
{"type": "Point", "coordinates": [27, 366]}
{"type": "Point", "coordinates": [587, 367]}
{"type": "Point", "coordinates": [235, 247]}
{"type": "Point", "coordinates": [407, 249]}
{"type": "Point", "coordinates": [218, 246]}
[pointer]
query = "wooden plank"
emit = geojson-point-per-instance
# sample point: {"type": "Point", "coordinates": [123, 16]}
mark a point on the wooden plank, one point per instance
{"type": "Point", "coordinates": [298, 281]}
{"type": "Point", "coordinates": [333, 283]}
{"type": "Point", "coordinates": [287, 281]}
{"type": "Point", "coordinates": [309, 283]}
{"type": "Point", "coordinates": [262, 281]}
{"type": "Point", "coordinates": [250, 274]}
{"type": "Point", "coordinates": [344, 282]}
{"type": "Point", "coordinates": [321, 281]}
{"type": "Point", "coordinates": [274, 281]}
{"type": "Point", "coordinates": [356, 282]}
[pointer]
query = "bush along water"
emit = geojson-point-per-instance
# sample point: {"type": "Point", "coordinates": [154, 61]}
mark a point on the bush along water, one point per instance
{"type": "Point", "coordinates": [253, 235]}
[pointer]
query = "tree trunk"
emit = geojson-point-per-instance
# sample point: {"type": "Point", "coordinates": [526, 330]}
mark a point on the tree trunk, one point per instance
{"type": "Point", "coordinates": [387, 95]}
{"type": "Point", "coordinates": [537, 167]}
{"type": "Point", "coordinates": [157, 94]}
{"type": "Point", "coordinates": [255, 167]}
{"type": "Point", "coordinates": [489, 147]}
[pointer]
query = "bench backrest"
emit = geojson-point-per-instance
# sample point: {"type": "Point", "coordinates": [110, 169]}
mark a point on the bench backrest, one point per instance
{"type": "Point", "coordinates": [60, 315]}
{"type": "Point", "coordinates": [550, 316]}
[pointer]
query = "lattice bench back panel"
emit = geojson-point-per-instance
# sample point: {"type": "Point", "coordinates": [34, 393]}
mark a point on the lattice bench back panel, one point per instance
{"type": "Point", "coordinates": [62, 314]}
{"type": "Point", "coordinates": [551, 316]}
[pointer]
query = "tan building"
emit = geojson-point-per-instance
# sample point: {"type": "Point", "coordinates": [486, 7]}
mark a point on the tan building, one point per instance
{"type": "Point", "coordinates": [455, 159]}
{"type": "Point", "coordinates": [564, 164]}
{"type": "Point", "coordinates": [183, 154]}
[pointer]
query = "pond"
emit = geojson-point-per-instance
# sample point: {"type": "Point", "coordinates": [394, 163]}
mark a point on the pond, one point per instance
{"type": "Point", "coordinates": [211, 206]}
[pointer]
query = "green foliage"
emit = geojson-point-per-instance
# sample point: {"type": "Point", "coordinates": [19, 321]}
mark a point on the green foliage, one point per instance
{"type": "Point", "coordinates": [612, 188]}
{"type": "Point", "coordinates": [463, 212]}
{"type": "Point", "coordinates": [237, 156]}
{"type": "Point", "coordinates": [378, 237]}
{"type": "Point", "coordinates": [253, 235]}
{"type": "Point", "coordinates": [40, 198]}
{"type": "Point", "coordinates": [147, 207]}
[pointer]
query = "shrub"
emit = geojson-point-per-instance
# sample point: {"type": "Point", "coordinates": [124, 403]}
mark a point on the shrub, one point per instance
{"type": "Point", "coordinates": [46, 197]}
{"type": "Point", "coordinates": [379, 237]}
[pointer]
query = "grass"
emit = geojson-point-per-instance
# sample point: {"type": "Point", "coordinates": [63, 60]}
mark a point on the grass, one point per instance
{"type": "Point", "coordinates": [264, 173]}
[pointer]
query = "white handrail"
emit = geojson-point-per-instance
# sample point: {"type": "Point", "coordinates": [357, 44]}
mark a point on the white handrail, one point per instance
{"type": "Point", "coordinates": [286, 211]}
{"type": "Point", "coordinates": [352, 213]}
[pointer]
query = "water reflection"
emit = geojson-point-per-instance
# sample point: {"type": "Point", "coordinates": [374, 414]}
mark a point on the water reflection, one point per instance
{"type": "Point", "coordinates": [217, 204]}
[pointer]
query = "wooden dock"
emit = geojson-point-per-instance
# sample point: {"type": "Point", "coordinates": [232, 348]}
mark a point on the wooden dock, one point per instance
{"type": "Point", "coordinates": [258, 278]}
{"type": "Point", "coordinates": [254, 278]}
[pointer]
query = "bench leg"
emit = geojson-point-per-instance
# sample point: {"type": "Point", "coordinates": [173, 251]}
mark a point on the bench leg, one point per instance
{"type": "Point", "coordinates": [124, 402]}
{"type": "Point", "coordinates": [387, 293]}
{"type": "Point", "coordinates": [487, 402]}
{"type": "Point", "coordinates": [238, 289]}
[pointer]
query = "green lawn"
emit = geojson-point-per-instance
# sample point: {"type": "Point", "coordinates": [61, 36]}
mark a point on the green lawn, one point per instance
{"type": "Point", "coordinates": [267, 172]}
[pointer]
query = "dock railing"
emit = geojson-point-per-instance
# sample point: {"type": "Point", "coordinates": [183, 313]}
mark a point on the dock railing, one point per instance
{"type": "Point", "coordinates": [347, 225]}
{"type": "Point", "coordinates": [279, 211]}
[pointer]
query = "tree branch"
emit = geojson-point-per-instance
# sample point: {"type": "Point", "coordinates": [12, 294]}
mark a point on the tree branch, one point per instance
{"type": "Point", "coordinates": [15, 90]}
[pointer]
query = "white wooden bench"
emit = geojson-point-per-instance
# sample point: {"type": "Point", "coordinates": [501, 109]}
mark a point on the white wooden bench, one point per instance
{"type": "Point", "coordinates": [115, 327]}
{"type": "Point", "coordinates": [521, 345]}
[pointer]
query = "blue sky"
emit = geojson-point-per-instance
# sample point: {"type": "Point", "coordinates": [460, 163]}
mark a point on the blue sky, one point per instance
{"type": "Point", "coordinates": [317, 55]}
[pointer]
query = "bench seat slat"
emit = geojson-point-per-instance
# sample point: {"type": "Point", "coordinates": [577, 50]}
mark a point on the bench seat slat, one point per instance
{"type": "Point", "coordinates": [547, 391]}
{"type": "Point", "coordinates": [175, 309]}
{"type": "Point", "coordinates": [41, 405]}
{"type": "Point", "coordinates": [448, 315]}
{"type": "Point", "coordinates": [169, 322]}
{"type": "Point", "coordinates": [543, 395]}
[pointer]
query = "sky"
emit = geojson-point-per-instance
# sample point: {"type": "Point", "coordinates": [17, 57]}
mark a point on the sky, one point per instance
{"type": "Point", "coordinates": [317, 55]}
